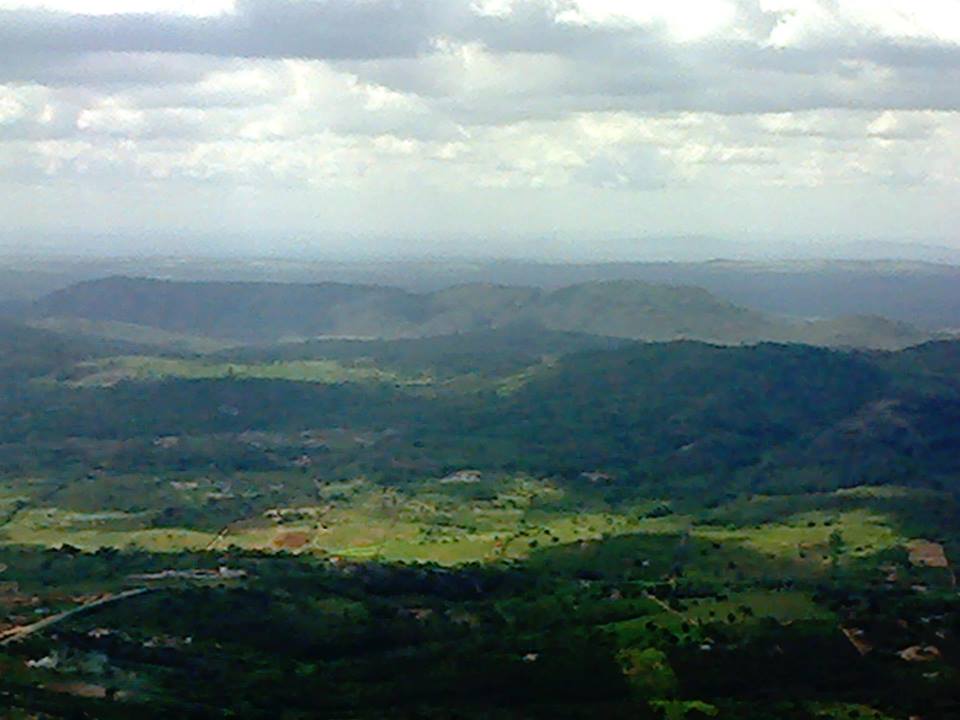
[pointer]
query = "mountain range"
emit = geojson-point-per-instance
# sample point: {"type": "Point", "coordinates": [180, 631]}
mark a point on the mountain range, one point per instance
{"type": "Point", "coordinates": [258, 313]}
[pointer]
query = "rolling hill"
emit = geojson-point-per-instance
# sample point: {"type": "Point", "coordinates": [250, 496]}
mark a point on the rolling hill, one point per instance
{"type": "Point", "coordinates": [260, 313]}
{"type": "Point", "coordinates": [240, 311]}
{"type": "Point", "coordinates": [490, 353]}
{"type": "Point", "coordinates": [27, 352]}
{"type": "Point", "coordinates": [772, 416]}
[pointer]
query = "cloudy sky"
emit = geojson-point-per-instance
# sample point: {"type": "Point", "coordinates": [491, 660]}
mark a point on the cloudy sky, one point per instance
{"type": "Point", "coordinates": [477, 126]}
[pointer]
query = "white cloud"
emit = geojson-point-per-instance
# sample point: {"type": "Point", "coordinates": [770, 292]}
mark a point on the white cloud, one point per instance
{"type": "Point", "coordinates": [939, 19]}
{"type": "Point", "coordinates": [684, 19]}
{"type": "Point", "coordinates": [525, 115]}
{"type": "Point", "coordinates": [805, 21]}
{"type": "Point", "coordinates": [110, 119]}
{"type": "Point", "coordinates": [10, 108]}
{"type": "Point", "coordinates": [192, 8]}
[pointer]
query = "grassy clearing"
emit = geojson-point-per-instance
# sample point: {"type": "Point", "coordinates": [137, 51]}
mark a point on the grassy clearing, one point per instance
{"type": "Point", "coordinates": [757, 605]}
{"type": "Point", "coordinates": [373, 526]}
{"type": "Point", "coordinates": [680, 709]}
{"type": "Point", "coordinates": [9, 501]}
{"type": "Point", "coordinates": [864, 533]}
{"type": "Point", "coordinates": [148, 369]}
{"type": "Point", "coordinates": [375, 523]}
{"type": "Point", "coordinates": [743, 609]}
{"type": "Point", "coordinates": [884, 492]}
{"type": "Point", "coordinates": [127, 332]}
{"type": "Point", "coordinates": [844, 711]}
{"type": "Point", "coordinates": [508, 518]}
{"type": "Point", "coordinates": [53, 527]}
{"type": "Point", "coordinates": [153, 540]}
{"type": "Point", "coordinates": [449, 523]}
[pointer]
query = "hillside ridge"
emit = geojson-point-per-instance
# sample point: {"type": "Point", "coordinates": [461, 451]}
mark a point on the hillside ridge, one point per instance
{"type": "Point", "coordinates": [258, 313]}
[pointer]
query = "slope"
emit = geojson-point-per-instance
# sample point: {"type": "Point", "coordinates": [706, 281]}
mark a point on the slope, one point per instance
{"type": "Point", "coordinates": [270, 312]}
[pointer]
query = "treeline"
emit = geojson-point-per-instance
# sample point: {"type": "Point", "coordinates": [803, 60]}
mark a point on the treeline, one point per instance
{"type": "Point", "coordinates": [773, 412]}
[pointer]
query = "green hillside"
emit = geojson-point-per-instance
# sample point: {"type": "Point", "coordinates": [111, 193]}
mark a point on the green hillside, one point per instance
{"type": "Point", "coordinates": [271, 312]}
{"type": "Point", "coordinates": [857, 331]}
{"type": "Point", "coordinates": [512, 509]}
{"type": "Point", "coordinates": [27, 352]}
{"type": "Point", "coordinates": [490, 353]}
{"type": "Point", "coordinates": [768, 415]}
{"type": "Point", "coordinates": [253, 312]}
{"type": "Point", "coordinates": [648, 312]}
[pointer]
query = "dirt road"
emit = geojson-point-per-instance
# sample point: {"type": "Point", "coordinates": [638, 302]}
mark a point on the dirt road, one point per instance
{"type": "Point", "coordinates": [23, 631]}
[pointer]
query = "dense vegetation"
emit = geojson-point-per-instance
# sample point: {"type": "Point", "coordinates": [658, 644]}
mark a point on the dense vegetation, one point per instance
{"type": "Point", "coordinates": [27, 352]}
{"type": "Point", "coordinates": [510, 522]}
{"type": "Point", "coordinates": [765, 414]}
{"type": "Point", "coordinates": [922, 294]}
{"type": "Point", "coordinates": [257, 312]}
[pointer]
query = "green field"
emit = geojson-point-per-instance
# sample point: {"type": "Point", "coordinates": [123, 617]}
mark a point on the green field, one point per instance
{"type": "Point", "coordinates": [144, 368]}
{"type": "Point", "coordinates": [497, 518]}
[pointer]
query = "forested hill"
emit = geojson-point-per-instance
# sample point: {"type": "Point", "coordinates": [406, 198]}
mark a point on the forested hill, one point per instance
{"type": "Point", "coordinates": [30, 352]}
{"type": "Point", "coordinates": [791, 413]}
{"type": "Point", "coordinates": [243, 311]}
{"type": "Point", "coordinates": [487, 353]}
{"type": "Point", "coordinates": [271, 312]}
{"type": "Point", "coordinates": [786, 414]}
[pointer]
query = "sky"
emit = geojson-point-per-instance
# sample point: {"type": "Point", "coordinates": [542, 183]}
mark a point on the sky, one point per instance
{"type": "Point", "coordinates": [487, 127]}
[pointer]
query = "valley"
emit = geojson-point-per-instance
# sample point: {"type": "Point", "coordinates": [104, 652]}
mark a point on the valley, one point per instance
{"type": "Point", "coordinates": [479, 360]}
{"type": "Point", "coordinates": [511, 507]}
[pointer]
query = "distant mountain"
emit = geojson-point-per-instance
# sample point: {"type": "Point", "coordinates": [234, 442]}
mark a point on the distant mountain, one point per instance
{"type": "Point", "coordinates": [22, 284]}
{"type": "Point", "coordinates": [148, 338]}
{"type": "Point", "coordinates": [27, 352]}
{"type": "Point", "coordinates": [252, 312]}
{"type": "Point", "coordinates": [648, 312]}
{"type": "Point", "coordinates": [271, 312]}
{"type": "Point", "coordinates": [920, 287]}
{"type": "Point", "coordinates": [794, 414]}
{"type": "Point", "coordinates": [923, 294]}
{"type": "Point", "coordinates": [768, 417]}
{"type": "Point", "coordinates": [684, 403]}
{"type": "Point", "coordinates": [490, 353]}
{"type": "Point", "coordinates": [868, 331]}
{"type": "Point", "coordinates": [476, 307]}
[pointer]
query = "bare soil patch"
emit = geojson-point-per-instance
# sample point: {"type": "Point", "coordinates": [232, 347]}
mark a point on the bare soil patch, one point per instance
{"type": "Point", "coordinates": [79, 689]}
{"type": "Point", "coordinates": [292, 540]}
{"type": "Point", "coordinates": [927, 554]}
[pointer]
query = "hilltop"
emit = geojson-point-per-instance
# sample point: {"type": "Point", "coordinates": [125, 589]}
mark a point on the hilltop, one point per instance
{"type": "Point", "coordinates": [925, 294]}
{"type": "Point", "coordinates": [259, 313]}
{"type": "Point", "coordinates": [30, 352]}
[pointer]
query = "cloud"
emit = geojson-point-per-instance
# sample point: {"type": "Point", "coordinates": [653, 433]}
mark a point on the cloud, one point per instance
{"type": "Point", "coordinates": [635, 168]}
{"type": "Point", "coordinates": [256, 28]}
{"type": "Point", "coordinates": [452, 99]}
{"type": "Point", "coordinates": [529, 57]}
{"type": "Point", "coordinates": [194, 8]}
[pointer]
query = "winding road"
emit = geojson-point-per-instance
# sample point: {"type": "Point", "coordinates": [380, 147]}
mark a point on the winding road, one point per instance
{"type": "Point", "coordinates": [23, 631]}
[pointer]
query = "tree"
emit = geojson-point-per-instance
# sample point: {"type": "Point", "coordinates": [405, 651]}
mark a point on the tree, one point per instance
{"type": "Point", "coordinates": [837, 546]}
